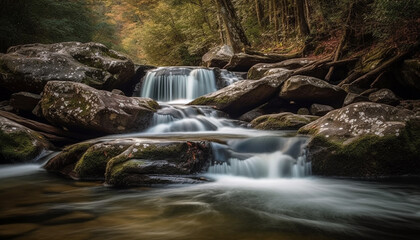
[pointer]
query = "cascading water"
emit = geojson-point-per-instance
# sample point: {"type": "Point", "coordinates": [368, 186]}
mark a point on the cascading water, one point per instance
{"type": "Point", "coordinates": [183, 84]}
{"type": "Point", "coordinates": [176, 83]}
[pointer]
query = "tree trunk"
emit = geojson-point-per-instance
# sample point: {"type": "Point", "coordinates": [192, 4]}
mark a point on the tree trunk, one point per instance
{"type": "Point", "coordinates": [259, 12]}
{"type": "Point", "coordinates": [346, 33]}
{"type": "Point", "coordinates": [301, 19]}
{"type": "Point", "coordinates": [236, 37]}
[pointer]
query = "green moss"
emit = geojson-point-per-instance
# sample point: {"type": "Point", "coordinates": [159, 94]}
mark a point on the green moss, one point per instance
{"type": "Point", "coordinates": [92, 164]}
{"type": "Point", "coordinates": [368, 156]}
{"type": "Point", "coordinates": [280, 122]}
{"type": "Point", "coordinates": [68, 157]}
{"type": "Point", "coordinates": [218, 101]}
{"type": "Point", "coordinates": [17, 147]}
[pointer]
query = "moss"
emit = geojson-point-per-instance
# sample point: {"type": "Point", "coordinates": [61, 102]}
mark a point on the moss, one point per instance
{"type": "Point", "coordinates": [92, 164]}
{"type": "Point", "coordinates": [375, 57]}
{"type": "Point", "coordinates": [65, 161]}
{"type": "Point", "coordinates": [368, 156]}
{"type": "Point", "coordinates": [280, 122]}
{"type": "Point", "coordinates": [17, 147]}
{"type": "Point", "coordinates": [218, 101]}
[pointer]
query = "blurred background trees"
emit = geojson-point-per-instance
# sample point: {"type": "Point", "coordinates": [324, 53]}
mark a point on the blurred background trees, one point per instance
{"type": "Point", "coordinates": [179, 32]}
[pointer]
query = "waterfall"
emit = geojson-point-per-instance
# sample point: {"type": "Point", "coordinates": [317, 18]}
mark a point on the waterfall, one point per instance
{"type": "Point", "coordinates": [281, 158]}
{"type": "Point", "coordinates": [178, 83]}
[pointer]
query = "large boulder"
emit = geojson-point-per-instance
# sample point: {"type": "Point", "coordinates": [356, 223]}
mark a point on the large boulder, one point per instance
{"type": "Point", "coordinates": [310, 90]}
{"type": "Point", "coordinates": [149, 162]}
{"type": "Point", "coordinates": [133, 162]}
{"type": "Point", "coordinates": [18, 143]}
{"type": "Point", "coordinates": [244, 95]}
{"type": "Point", "coordinates": [29, 67]}
{"type": "Point", "coordinates": [259, 70]}
{"type": "Point", "coordinates": [365, 140]}
{"type": "Point", "coordinates": [78, 106]}
{"type": "Point", "coordinates": [282, 121]}
{"type": "Point", "coordinates": [218, 56]}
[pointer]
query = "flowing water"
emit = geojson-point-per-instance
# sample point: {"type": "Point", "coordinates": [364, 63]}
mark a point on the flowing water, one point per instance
{"type": "Point", "coordinates": [260, 188]}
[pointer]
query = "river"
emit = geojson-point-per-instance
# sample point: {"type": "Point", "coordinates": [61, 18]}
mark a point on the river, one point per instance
{"type": "Point", "coordinates": [258, 187]}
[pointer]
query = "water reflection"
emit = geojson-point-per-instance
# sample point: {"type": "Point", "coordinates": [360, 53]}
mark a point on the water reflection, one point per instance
{"type": "Point", "coordinates": [41, 206]}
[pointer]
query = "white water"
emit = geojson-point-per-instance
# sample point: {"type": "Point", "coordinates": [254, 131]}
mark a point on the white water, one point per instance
{"type": "Point", "coordinates": [178, 84]}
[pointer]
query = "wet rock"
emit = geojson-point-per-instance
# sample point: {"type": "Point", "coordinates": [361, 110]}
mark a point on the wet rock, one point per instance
{"type": "Point", "coordinates": [29, 67]}
{"type": "Point", "coordinates": [133, 162]}
{"type": "Point", "coordinates": [259, 70]}
{"type": "Point", "coordinates": [413, 105]}
{"type": "Point", "coordinates": [306, 89]}
{"type": "Point", "coordinates": [251, 115]}
{"type": "Point", "coordinates": [24, 101]}
{"type": "Point", "coordinates": [303, 111]}
{"type": "Point", "coordinates": [218, 56]}
{"type": "Point", "coordinates": [78, 106]}
{"type": "Point", "coordinates": [18, 143]}
{"type": "Point", "coordinates": [384, 96]}
{"type": "Point", "coordinates": [118, 92]}
{"type": "Point", "coordinates": [354, 98]}
{"type": "Point", "coordinates": [282, 121]}
{"type": "Point", "coordinates": [365, 140]}
{"type": "Point", "coordinates": [148, 162]}
{"type": "Point", "coordinates": [243, 96]}
{"type": "Point", "coordinates": [320, 110]}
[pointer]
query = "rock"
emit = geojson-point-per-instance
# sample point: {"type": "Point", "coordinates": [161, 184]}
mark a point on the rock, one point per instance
{"type": "Point", "coordinates": [303, 111]}
{"type": "Point", "coordinates": [282, 121]}
{"type": "Point", "coordinates": [242, 96]}
{"type": "Point", "coordinates": [384, 96]}
{"type": "Point", "coordinates": [243, 62]}
{"type": "Point", "coordinates": [218, 56]}
{"type": "Point", "coordinates": [354, 98]}
{"type": "Point", "coordinates": [251, 115]}
{"type": "Point", "coordinates": [312, 90]}
{"type": "Point", "coordinates": [259, 70]}
{"type": "Point", "coordinates": [320, 110]}
{"type": "Point", "coordinates": [78, 106]}
{"type": "Point", "coordinates": [365, 140]}
{"type": "Point", "coordinates": [24, 101]}
{"type": "Point", "coordinates": [5, 106]}
{"type": "Point", "coordinates": [158, 163]}
{"type": "Point", "coordinates": [141, 72]}
{"type": "Point", "coordinates": [413, 105]}
{"type": "Point", "coordinates": [132, 162]}
{"type": "Point", "coordinates": [118, 92]}
{"type": "Point", "coordinates": [18, 143]}
{"type": "Point", "coordinates": [29, 67]}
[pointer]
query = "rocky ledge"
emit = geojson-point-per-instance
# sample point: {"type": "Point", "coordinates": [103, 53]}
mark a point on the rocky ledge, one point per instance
{"type": "Point", "coordinates": [365, 140]}
{"type": "Point", "coordinates": [133, 162]}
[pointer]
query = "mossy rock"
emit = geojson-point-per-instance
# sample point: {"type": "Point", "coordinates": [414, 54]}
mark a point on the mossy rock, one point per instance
{"type": "Point", "coordinates": [368, 156]}
{"type": "Point", "coordinates": [243, 96]}
{"type": "Point", "coordinates": [92, 164]}
{"type": "Point", "coordinates": [18, 143]}
{"type": "Point", "coordinates": [365, 140]}
{"type": "Point", "coordinates": [282, 121]}
{"type": "Point", "coordinates": [146, 163]}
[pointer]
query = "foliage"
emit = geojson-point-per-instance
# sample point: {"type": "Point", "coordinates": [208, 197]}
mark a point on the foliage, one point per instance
{"type": "Point", "coordinates": [179, 32]}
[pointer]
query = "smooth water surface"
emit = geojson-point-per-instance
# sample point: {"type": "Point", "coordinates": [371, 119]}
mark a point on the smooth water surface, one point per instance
{"type": "Point", "coordinates": [43, 206]}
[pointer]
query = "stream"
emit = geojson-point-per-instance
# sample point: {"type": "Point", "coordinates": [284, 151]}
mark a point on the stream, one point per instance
{"type": "Point", "coordinates": [260, 187]}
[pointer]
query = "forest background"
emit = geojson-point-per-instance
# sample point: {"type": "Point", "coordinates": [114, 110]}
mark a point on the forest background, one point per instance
{"type": "Point", "coordinates": [179, 32]}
